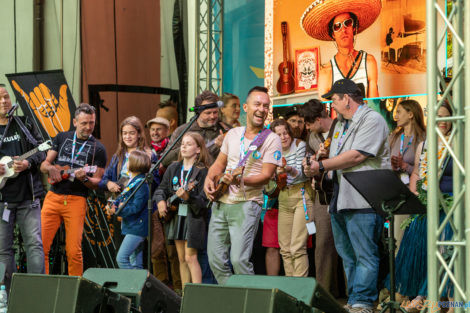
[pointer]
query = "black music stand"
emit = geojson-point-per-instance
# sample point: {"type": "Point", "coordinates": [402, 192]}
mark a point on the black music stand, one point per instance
{"type": "Point", "coordinates": [388, 196]}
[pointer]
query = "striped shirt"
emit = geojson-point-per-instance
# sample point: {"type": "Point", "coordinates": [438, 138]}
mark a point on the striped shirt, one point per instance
{"type": "Point", "coordinates": [294, 158]}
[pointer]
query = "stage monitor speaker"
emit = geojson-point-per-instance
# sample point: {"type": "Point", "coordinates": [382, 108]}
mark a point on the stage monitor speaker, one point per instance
{"type": "Point", "coordinates": [215, 299]}
{"type": "Point", "coordinates": [305, 289]}
{"type": "Point", "coordinates": [34, 293]}
{"type": "Point", "coordinates": [146, 292]}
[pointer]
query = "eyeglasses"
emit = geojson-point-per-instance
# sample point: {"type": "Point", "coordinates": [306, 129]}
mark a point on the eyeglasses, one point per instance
{"type": "Point", "coordinates": [346, 23]}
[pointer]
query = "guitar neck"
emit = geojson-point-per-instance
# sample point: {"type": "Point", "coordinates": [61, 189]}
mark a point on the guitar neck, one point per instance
{"type": "Point", "coordinates": [28, 154]}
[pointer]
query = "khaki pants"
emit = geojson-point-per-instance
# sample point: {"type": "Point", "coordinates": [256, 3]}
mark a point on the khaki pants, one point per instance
{"type": "Point", "coordinates": [292, 229]}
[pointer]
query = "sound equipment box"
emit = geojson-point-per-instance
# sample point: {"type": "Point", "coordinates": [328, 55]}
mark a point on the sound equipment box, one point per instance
{"type": "Point", "coordinates": [305, 289]}
{"type": "Point", "coordinates": [216, 299]}
{"type": "Point", "coordinates": [146, 292]}
{"type": "Point", "coordinates": [34, 293]}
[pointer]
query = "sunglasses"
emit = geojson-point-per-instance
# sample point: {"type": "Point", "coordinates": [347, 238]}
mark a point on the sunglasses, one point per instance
{"type": "Point", "coordinates": [346, 23]}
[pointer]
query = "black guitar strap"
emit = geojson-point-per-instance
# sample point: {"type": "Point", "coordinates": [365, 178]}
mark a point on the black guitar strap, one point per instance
{"type": "Point", "coordinates": [354, 64]}
{"type": "Point", "coordinates": [25, 131]}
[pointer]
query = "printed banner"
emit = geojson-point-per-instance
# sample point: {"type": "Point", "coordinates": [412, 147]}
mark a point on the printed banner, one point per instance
{"type": "Point", "coordinates": [46, 97]}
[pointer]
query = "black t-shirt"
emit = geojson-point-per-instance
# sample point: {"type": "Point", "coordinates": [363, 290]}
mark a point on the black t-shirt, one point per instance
{"type": "Point", "coordinates": [63, 145]}
{"type": "Point", "coordinates": [16, 189]}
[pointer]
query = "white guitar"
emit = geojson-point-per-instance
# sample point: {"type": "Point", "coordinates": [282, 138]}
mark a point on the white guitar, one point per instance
{"type": "Point", "coordinates": [7, 161]}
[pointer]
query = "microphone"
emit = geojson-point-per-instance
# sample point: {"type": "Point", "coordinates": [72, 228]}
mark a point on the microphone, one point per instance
{"type": "Point", "coordinates": [200, 108]}
{"type": "Point", "coordinates": [12, 110]}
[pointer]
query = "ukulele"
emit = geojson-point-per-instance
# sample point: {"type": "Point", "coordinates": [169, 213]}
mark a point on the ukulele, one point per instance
{"type": "Point", "coordinates": [7, 162]}
{"type": "Point", "coordinates": [323, 184]}
{"type": "Point", "coordinates": [221, 187]}
{"type": "Point", "coordinates": [172, 204]}
{"type": "Point", "coordinates": [286, 82]}
{"type": "Point", "coordinates": [281, 180]}
{"type": "Point", "coordinates": [69, 173]}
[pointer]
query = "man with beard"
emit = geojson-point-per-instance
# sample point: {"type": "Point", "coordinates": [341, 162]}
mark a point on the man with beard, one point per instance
{"type": "Point", "coordinates": [235, 216]}
{"type": "Point", "coordinates": [296, 122]}
{"type": "Point", "coordinates": [207, 124]}
{"type": "Point", "coordinates": [359, 143]}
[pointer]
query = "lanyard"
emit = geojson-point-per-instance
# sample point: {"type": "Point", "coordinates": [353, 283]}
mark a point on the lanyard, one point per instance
{"type": "Point", "coordinates": [302, 190]}
{"type": "Point", "coordinates": [340, 141]}
{"type": "Point", "coordinates": [128, 188]}
{"type": "Point", "coordinates": [72, 161]}
{"type": "Point", "coordinates": [402, 139]}
{"type": "Point", "coordinates": [242, 144]}
{"type": "Point", "coordinates": [184, 182]}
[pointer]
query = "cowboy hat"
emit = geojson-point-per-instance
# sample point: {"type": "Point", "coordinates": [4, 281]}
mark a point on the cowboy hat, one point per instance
{"type": "Point", "coordinates": [316, 17]}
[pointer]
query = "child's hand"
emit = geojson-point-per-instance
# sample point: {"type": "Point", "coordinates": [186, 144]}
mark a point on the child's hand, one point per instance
{"type": "Point", "coordinates": [182, 194]}
{"type": "Point", "coordinates": [111, 209]}
{"type": "Point", "coordinates": [162, 210]}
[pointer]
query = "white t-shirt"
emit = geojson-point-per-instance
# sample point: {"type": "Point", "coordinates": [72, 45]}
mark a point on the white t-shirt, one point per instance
{"type": "Point", "coordinates": [269, 152]}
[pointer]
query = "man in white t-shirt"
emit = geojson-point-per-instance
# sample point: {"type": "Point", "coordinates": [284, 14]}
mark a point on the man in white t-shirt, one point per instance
{"type": "Point", "coordinates": [235, 216]}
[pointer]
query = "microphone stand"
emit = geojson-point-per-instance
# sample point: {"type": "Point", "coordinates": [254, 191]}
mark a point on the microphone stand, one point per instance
{"type": "Point", "coordinates": [149, 180]}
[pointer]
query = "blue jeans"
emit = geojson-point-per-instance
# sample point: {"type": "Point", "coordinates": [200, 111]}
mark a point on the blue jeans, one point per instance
{"type": "Point", "coordinates": [27, 215]}
{"type": "Point", "coordinates": [356, 237]}
{"type": "Point", "coordinates": [130, 254]}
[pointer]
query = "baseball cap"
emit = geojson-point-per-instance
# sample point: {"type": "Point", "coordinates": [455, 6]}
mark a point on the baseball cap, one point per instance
{"type": "Point", "coordinates": [342, 86]}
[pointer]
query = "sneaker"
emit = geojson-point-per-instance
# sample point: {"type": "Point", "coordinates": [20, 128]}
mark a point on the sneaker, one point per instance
{"type": "Point", "coordinates": [416, 305]}
{"type": "Point", "coordinates": [361, 310]}
{"type": "Point", "coordinates": [347, 307]}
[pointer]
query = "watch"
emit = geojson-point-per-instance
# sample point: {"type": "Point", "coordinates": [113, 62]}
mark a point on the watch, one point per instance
{"type": "Point", "coordinates": [321, 168]}
{"type": "Point", "coordinates": [85, 179]}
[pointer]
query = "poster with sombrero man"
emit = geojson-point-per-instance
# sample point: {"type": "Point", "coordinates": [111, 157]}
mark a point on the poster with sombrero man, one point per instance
{"type": "Point", "coordinates": [379, 43]}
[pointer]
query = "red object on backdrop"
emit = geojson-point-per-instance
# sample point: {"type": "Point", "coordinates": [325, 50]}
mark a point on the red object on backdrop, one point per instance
{"type": "Point", "coordinates": [286, 82]}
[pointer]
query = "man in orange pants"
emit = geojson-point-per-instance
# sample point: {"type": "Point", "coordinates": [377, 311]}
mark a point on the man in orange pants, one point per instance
{"type": "Point", "coordinates": [66, 201]}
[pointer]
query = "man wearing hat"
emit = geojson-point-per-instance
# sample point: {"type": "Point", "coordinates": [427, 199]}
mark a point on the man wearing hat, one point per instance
{"type": "Point", "coordinates": [207, 124]}
{"type": "Point", "coordinates": [359, 143]}
{"type": "Point", "coordinates": [341, 21]}
{"type": "Point", "coordinates": [159, 128]}
{"type": "Point", "coordinates": [162, 252]}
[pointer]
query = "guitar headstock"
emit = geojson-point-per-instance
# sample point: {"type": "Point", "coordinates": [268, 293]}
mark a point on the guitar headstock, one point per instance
{"type": "Point", "coordinates": [284, 28]}
{"type": "Point", "coordinates": [238, 171]}
{"type": "Point", "coordinates": [284, 162]}
{"type": "Point", "coordinates": [45, 145]}
{"type": "Point", "coordinates": [191, 185]}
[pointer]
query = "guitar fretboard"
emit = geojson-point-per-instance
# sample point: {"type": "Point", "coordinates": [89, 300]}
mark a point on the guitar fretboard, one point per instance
{"type": "Point", "coordinates": [23, 156]}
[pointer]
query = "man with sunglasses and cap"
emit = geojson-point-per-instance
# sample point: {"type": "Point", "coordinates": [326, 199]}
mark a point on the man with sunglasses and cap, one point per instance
{"type": "Point", "coordinates": [359, 143]}
{"type": "Point", "coordinates": [340, 21]}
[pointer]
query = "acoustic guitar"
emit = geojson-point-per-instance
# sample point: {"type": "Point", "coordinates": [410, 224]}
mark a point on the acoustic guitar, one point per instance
{"type": "Point", "coordinates": [172, 203]}
{"type": "Point", "coordinates": [286, 83]}
{"type": "Point", "coordinates": [281, 181]}
{"type": "Point", "coordinates": [7, 162]}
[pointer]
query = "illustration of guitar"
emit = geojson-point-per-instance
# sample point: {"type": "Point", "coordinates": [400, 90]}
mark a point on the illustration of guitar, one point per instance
{"type": "Point", "coordinates": [7, 161]}
{"type": "Point", "coordinates": [286, 83]}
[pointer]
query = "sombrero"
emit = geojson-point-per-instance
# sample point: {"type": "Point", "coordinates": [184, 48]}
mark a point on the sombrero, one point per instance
{"type": "Point", "coordinates": [316, 17]}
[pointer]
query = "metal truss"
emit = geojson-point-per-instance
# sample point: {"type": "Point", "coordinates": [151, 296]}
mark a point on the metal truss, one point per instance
{"type": "Point", "coordinates": [449, 258]}
{"type": "Point", "coordinates": [209, 46]}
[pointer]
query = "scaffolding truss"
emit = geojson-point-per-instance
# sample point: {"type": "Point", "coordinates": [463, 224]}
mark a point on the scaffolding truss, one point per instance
{"type": "Point", "coordinates": [448, 274]}
{"type": "Point", "coordinates": [209, 46]}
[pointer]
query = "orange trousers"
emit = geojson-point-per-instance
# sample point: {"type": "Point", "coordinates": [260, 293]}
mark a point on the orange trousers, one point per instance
{"type": "Point", "coordinates": [71, 210]}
